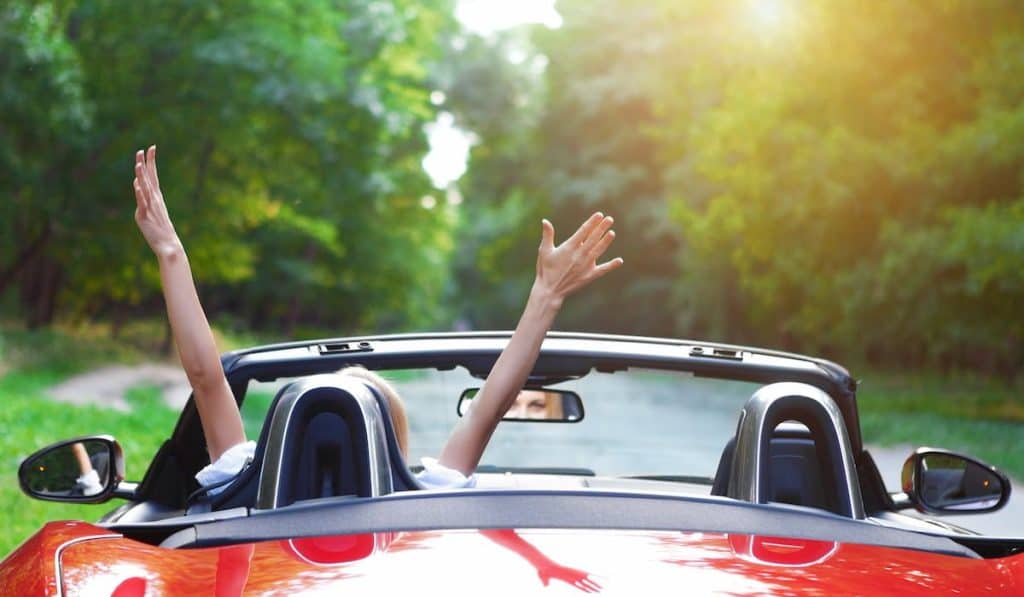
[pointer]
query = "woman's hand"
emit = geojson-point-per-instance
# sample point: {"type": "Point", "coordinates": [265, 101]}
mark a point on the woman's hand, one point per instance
{"type": "Point", "coordinates": [573, 264]}
{"type": "Point", "coordinates": [560, 271]}
{"type": "Point", "coordinates": [151, 212]}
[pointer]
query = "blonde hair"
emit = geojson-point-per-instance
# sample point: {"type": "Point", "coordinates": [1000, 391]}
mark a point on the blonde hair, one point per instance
{"type": "Point", "coordinates": [395, 404]}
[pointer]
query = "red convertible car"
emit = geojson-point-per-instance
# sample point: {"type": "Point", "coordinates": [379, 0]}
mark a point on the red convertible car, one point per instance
{"type": "Point", "coordinates": [634, 466]}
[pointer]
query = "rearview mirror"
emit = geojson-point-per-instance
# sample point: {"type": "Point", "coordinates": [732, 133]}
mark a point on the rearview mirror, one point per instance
{"type": "Point", "coordinates": [942, 482]}
{"type": "Point", "coordinates": [535, 405]}
{"type": "Point", "coordinates": [85, 470]}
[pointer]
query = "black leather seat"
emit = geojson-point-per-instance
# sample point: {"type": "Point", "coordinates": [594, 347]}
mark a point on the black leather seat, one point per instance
{"type": "Point", "coordinates": [325, 452]}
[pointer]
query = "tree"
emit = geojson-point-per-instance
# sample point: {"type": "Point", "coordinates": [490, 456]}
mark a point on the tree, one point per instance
{"type": "Point", "coordinates": [285, 132]}
{"type": "Point", "coordinates": [836, 177]}
{"type": "Point", "coordinates": [493, 88]}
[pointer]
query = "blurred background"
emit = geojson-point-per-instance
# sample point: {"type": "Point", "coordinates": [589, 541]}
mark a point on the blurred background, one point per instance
{"type": "Point", "coordinates": [843, 178]}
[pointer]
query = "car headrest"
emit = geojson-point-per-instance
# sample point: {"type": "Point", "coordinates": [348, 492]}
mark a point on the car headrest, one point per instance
{"type": "Point", "coordinates": [794, 475]}
{"type": "Point", "coordinates": [326, 437]}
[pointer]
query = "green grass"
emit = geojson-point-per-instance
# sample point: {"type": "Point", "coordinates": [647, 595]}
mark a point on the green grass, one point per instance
{"type": "Point", "coordinates": [254, 412]}
{"type": "Point", "coordinates": [29, 420]}
{"type": "Point", "coordinates": [980, 416]}
{"type": "Point", "coordinates": [999, 443]}
{"type": "Point", "coordinates": [955, 396]}
{"type": "Point", "coordinates": [33, 361]}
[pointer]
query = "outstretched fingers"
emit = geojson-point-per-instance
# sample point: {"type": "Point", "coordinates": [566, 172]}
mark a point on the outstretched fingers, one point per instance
{"type": "Point", "coordinates": [144, 186]}
{"type": "Point", "coordinates": [600, 237]}
{"type": "Point", "coordinates": [583, 232]}
{"type": "Point", "coordinates": [139, 183]}
{"type": "Point", "coordinates": [145, 171]}
{"type": "Point", "coordinates": [601, 245]}
{"type": "Point", "coordinates": [599, 248]}
{"type": "Point", "coordinates": [607, 266]}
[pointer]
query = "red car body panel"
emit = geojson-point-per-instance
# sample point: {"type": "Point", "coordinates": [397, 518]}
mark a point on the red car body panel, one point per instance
{"type": "Point", "coordinates": [94, 561]}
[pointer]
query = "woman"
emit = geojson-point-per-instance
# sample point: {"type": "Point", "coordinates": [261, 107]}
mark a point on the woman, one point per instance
{"type": "Point", "coordinates": [561, 270]}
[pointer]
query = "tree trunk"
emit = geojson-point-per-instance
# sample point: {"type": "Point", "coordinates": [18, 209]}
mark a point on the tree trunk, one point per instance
{"type": "Point", "coordinates": [32, 250]}
{"type": "Point", "coordinates": [40, 285]}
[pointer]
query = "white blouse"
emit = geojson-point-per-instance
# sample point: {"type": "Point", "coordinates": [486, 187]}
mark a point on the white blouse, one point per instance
{"type": "Point", "coordinates": [433, 476]}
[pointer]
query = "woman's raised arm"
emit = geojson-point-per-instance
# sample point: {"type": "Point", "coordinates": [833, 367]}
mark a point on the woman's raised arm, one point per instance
{"type": "Point", "coordinates": [218, 411]}
{"type": "Point", "coordinates": [561, 270]}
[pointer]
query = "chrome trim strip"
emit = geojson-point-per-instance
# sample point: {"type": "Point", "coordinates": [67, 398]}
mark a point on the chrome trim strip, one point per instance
{"type": "Point", "coordinates": [745, 481]}
{"type": "Point", "coordinates": [373, 419]}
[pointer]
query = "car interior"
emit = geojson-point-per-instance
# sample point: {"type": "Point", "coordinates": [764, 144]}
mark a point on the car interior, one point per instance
{"type": "Point", "coordinates": [326, 448]}
{"type": "Point", "coordinates": [331, 437]}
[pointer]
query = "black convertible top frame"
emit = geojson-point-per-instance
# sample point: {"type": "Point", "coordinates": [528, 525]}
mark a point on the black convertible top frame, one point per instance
{"type": "Point", "coordinates": [168, 479]}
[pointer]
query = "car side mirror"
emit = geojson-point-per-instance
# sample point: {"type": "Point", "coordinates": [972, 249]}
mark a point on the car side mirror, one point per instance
{"type": "Point", "coordinates": [942, 482]}
{"type": "Point", "coordinates": [535, 405]}
{"type": "Point", "coordinates": [83, 470]}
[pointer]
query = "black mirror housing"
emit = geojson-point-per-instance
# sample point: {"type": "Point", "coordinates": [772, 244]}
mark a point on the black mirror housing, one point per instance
{"type": "Point", "coordinates": [84, 470]}
{"type": "Point", "coordinates": [944, 482]}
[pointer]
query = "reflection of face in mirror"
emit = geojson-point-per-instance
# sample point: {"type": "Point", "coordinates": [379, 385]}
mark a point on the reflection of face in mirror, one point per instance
{"type": "Point", "coordinates": [77, 469]}
{"type": "Point", "coordinates": [953, 483]}
{"type": "Point", "coordinates": [536, 404]}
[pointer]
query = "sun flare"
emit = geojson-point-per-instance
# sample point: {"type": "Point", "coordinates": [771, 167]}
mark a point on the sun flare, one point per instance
{"type": "Point", "coordinates": [769, 14]}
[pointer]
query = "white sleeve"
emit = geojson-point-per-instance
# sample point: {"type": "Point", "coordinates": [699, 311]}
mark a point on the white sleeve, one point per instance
{"type": "Point", "coordinates": [437, 476]}
{"type": "Point", "coordinates": [90, 483]}
{"type": "Point", "coordinates": [227, 466]}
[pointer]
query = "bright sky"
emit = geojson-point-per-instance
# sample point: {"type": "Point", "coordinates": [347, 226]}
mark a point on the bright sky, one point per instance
{"type": "Point", "coordinates": [487, 16]}
{"type": "Point", "coordinates": [449, 146]}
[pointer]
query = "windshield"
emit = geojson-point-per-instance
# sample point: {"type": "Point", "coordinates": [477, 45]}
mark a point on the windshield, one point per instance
{"type": "Point", "coordinates": [636, 422]}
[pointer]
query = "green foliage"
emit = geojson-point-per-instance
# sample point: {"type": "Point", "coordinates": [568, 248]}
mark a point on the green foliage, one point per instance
{"type": "Point", "coordinates": [598, 156]}
{"type": "Point", "coordinates": [956, 284]}
{"type": "Point", "coordinates": [287, 132]}
{"type": "Point", "coordinates": [551, 114]}
{"type": "Point", "coordinates": [838, 177]}
{"type": "Point", "coordinates": [499, 101]}
{"type": "Point", "coordinates": [58, 351]}
{"type": "Point", "coordinates": [843, 199]}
